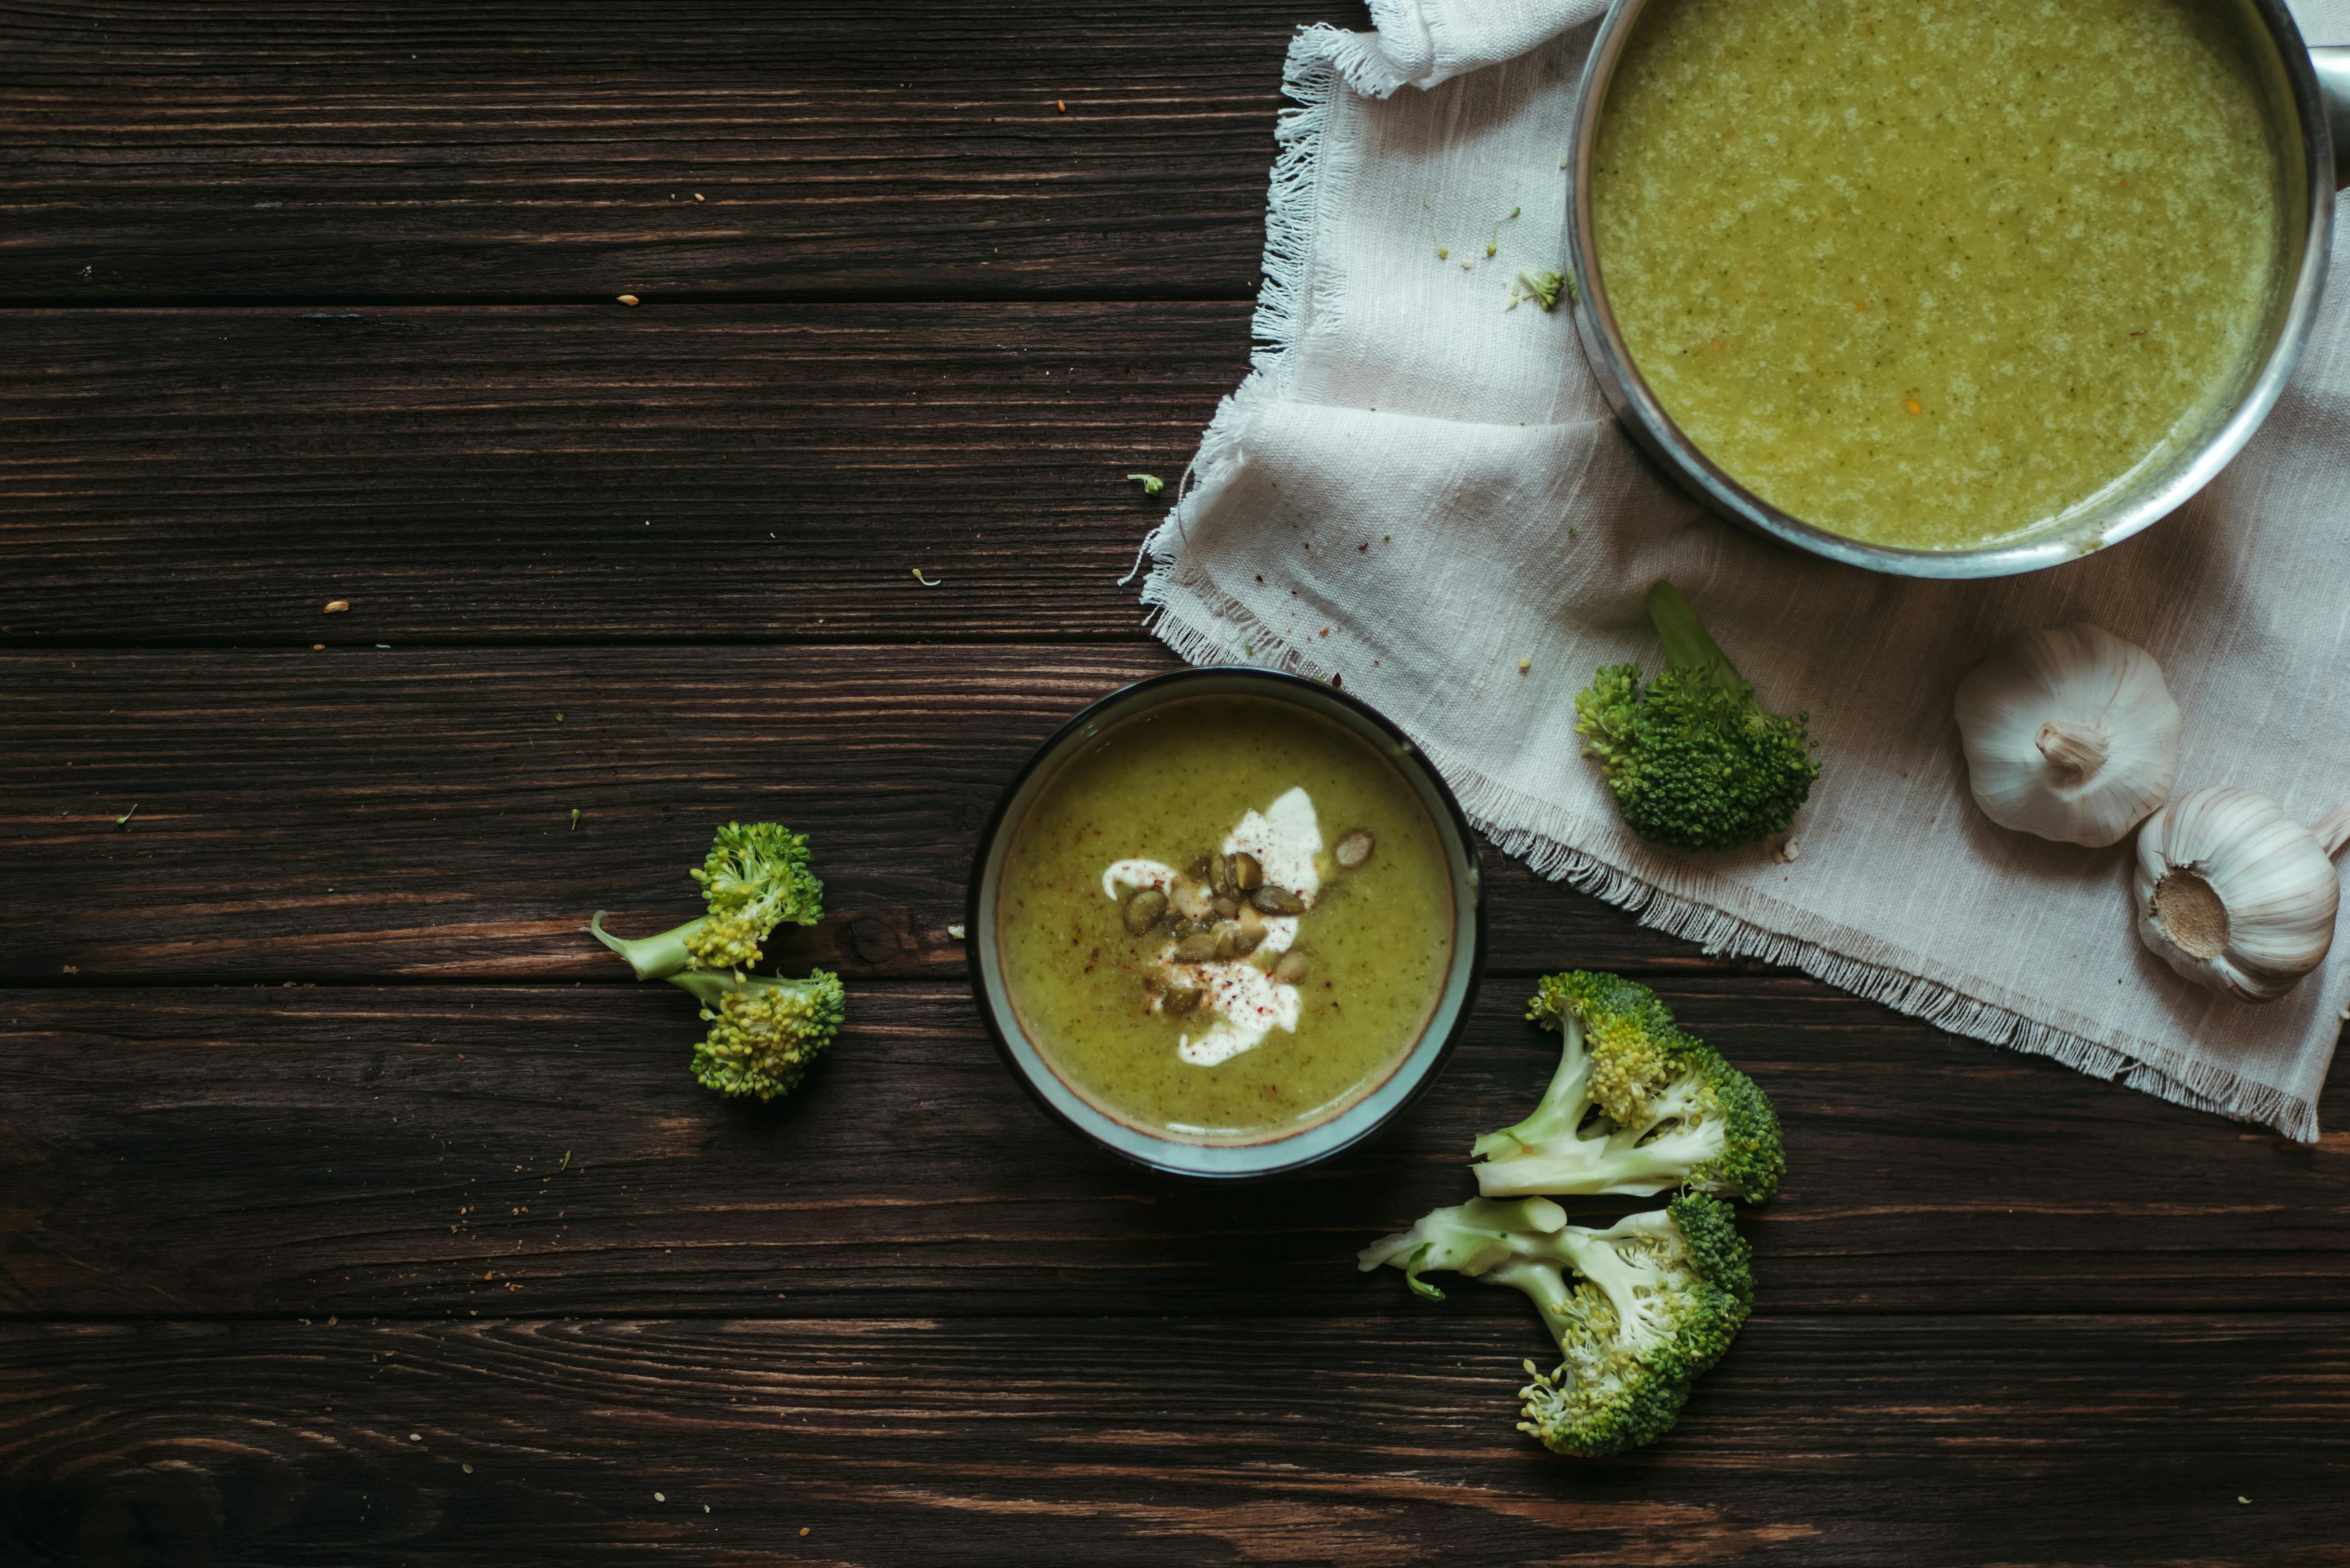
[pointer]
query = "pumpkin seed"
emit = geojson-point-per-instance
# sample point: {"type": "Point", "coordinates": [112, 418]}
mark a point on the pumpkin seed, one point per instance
{"type": "Point", "coordinates": [1227, 935]}
{"type": "Point", "coordinates": [1142, 910]}
{"type": "Point", "coordinates": [1220, 875]}
{"type": "Point", "coordinates": [1244, 938]}
{"type": "Point", "coordinates": [1197, 948]}
{"type": "Point", "coordinates": [1248, 873]}
{"type": "Point", "coordinates": [1293, 966]}
{"type": "Point", "coordinates": [1180, 998]}
{"type": "Point", "coordinates": [1228, 907]}
{"type": "Point", "coordinates": [1275, 900]}
{"type": "Point", "coordinates": [1354, 849]}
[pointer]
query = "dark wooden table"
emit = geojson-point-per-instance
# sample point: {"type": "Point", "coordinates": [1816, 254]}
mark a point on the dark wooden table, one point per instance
{"type": "Point", "coordinates": [356, 1209]}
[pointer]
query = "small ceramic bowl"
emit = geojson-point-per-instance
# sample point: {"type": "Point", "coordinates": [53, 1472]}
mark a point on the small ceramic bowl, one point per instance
{"type": "Point", "coordinates": [1288, 1151]}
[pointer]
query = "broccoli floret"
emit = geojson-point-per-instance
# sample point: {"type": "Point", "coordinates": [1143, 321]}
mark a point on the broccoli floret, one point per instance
{"type": "Point", "coordinates": [1661, 1296]}
{"type": "Point", "coordinates": [1636, 1107]}
{"type": "Point", "coordinates": [763, 1033]}
{"type": "Point", "coordinates": [1664, 1295]}
{"type": "Point", "coordinates": [1695, 763]}
{"type": "Point", "coordinates": [755, 879]}
{"type": "Point", "coordinates": [1544, 288]}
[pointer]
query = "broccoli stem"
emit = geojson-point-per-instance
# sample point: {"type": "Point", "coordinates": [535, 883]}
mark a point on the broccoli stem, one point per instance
{"type": "Point", "coordinates": [1564, 1102]}
{"type": "Point", "coordinates": [653, 958]}
{"type": "Point", "coordinates": [703, 986]}
{"type": "Point", "coordinates": [1545, 1285]}
{"type": "Point", "coordinates": [1411, 1267]}
{"type": "Point", "coordinates": [1643, 1170]}
{"type": "Point", "coordinates": [709, 988]}
{"type": "Point", "coordinates": [1688, 645]}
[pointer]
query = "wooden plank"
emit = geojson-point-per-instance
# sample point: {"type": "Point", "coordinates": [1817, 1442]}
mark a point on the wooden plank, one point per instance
{"type": "Point", "coordinates": [704, 474]}
{"type": "Point", "coordinates": [362, 814]}
{"type": "Point", "coordinates": [506, 151]}
{"type": "Point", "coordinates": [1376, 1442]}
{"type": "Point", "coordinates": [447, 1151]}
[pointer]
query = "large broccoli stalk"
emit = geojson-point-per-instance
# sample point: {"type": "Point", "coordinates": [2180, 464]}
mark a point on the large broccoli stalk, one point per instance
{"type": "Point", "coordinates": [1636, 1107]}
{"type": "Point", "coordinates": [754, 879]}
{"type": "Point", "coordinates": [1659, 1298]}
{"type": "Point", "coordinates": [1694, 762]}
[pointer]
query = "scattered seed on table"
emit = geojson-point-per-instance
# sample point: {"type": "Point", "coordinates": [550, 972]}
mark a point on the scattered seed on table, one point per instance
{"type": "Point", "coordinates": [336, 606]}
{"type": "Point", "coordinates": [628, 300]}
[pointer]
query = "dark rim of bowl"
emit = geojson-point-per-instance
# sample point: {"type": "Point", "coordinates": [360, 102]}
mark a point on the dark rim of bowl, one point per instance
{"type": "Point", "coordinates": [977, 929]}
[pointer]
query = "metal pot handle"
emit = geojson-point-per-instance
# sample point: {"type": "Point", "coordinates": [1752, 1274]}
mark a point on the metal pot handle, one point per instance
{"type": "Point", "coordinates": [2332, 64]}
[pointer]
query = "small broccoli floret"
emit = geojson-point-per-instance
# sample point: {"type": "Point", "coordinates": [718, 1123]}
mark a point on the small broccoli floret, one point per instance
{"type": "Point", "coordinates": [1544, 288]}
{"type": "Point", "coordinates": [763, 1033]}
{"type": "Point", "coordinates": [754, 879]}
{"type": "Point", "coordinates": [1660, 1296]}
{"type": "Point", "coordinates": [1664, 1295]}
{"type": "Point", "coordinates": [1636, 1107]}
{"type": "Point", "coordinates": [1694, 763]}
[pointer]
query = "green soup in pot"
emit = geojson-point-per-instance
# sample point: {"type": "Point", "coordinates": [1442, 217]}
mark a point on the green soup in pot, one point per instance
{"type": "Point", "coordinates": [1271, 1013]}
{"type": "Point", "coordinates": [1929, 274]}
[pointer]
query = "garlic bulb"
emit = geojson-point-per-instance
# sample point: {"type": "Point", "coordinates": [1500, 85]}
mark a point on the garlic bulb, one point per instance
{"type": "Point", "coordinates": [2070, 733]}
{"type": "Point", "coordinates": [2235, 894]}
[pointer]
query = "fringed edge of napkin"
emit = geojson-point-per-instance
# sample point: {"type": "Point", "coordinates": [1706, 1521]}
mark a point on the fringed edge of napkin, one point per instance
{"type": "Point", "coordinates": [1821, 949]}
{"type": "Point", "coordinates": [1834, 953]}
{"type": "Point", "coordinates": [1286, 306]}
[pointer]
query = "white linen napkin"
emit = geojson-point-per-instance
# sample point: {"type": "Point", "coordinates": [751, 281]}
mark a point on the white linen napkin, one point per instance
{"type": "Point", "coordinates": [1416, 488]}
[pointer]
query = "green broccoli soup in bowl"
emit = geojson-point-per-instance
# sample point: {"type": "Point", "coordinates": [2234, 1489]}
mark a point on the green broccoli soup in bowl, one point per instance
{"type": "Point", "coordinates": [1226, 923]}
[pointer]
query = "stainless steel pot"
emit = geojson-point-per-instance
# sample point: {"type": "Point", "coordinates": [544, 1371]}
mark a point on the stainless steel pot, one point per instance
{"type": "Point", "coordinates": [2308, 93]}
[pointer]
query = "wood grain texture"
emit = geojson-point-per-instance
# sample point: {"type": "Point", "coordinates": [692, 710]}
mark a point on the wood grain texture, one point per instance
{"type": "Point", "coordinates": [452, 1150]}
{"type": "Point", "coordinates": [936, 149]}
{"type": "Point", "coordinates": [444, 1259]}
{"type": "Point", "coordinates": [1374, 1442]}
{"type": "Point", "coordinates": [706, 474]}
{"type": "Point", "coordinates": [363, 813]}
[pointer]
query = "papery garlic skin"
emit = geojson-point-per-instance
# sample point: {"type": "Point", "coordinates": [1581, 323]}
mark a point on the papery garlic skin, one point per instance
{"type": "Point", "coordinates": [2270, 880]}
{"type": "Point", "coordinates": [2070, 733]}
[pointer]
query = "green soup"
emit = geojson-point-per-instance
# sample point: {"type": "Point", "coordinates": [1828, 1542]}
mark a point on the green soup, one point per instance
{"type": "Point", "coordinates": [1929, 274]}
{"type": "Point", "coordinates": [1225, 921]}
